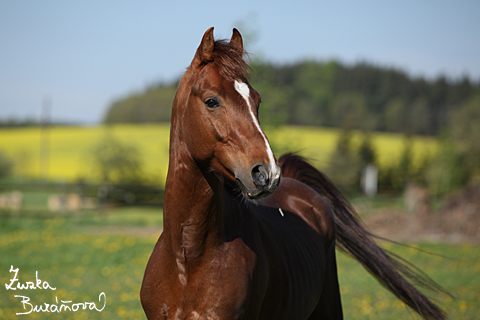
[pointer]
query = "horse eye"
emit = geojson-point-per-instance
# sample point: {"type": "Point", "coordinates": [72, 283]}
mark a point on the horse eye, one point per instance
{"type": "Point", "coordinates": [212, 103]}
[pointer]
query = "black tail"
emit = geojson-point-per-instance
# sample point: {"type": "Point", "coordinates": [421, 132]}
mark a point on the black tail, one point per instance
{"type": "Point", "coordinates": [353, 238]}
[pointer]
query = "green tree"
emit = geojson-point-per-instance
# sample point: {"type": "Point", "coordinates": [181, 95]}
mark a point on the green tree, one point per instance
{"type": "Point", "coordinates": [344, 166]}
{"type": "Point", "coordinates": [274, 107]}
{"type": "Point", "coordinates": [116, 162]}
{"type": "Point", "coordinates": [314, 92]}
{"type": "Point", "coordinates": [419, 117]}
{"type": "Point", "coordinates": [457, 162]}
{"type": "Point", "coordinates": [6, 165]}
{"type": "Point", "coordinates": [396, 115]}
{"type": "Point", "coordinates": [153, 105]}
{"type": "Point", "coordinates": [405, 169]}
{"type": "Point", "coordinates": [366, 152]}
{"type": "Point", "coordinates": [350, 111]}
{"type": "Point", "coordinates": [446, 172]}
{"type": "Point", "coordinates": [465, 131]}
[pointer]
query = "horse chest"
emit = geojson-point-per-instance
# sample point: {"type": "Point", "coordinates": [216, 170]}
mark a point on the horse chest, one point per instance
{"type": "Point", "coordinates": [215, 287]}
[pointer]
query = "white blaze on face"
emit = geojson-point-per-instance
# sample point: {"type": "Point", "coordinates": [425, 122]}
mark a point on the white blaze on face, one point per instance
{"type": "Point", "coordinates": [244, 91]}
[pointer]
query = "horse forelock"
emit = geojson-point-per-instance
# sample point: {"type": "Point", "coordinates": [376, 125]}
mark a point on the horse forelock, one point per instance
{"type": "Point", "coordinates": [229, 61]}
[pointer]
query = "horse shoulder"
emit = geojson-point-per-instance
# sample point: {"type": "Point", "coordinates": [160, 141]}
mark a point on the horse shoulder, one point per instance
{"type": "Point", "coordinates": [294, 196]}
{"type": "Point", "coordinates": [216, 284]}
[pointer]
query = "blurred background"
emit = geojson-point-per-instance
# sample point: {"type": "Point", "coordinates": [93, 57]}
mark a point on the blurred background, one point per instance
{"type": "Point", "coordinates": [384, 97]}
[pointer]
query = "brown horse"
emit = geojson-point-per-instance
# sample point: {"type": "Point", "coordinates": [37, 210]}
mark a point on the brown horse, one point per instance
{"type": "Point", "coordinates": [237, 243]}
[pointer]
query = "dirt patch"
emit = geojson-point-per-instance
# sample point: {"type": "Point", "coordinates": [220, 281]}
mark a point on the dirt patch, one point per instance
{"type": "Point", "coordinates": [458, 221]}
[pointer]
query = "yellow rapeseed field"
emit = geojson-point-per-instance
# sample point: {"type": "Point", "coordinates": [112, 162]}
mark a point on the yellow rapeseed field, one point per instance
{"type": "Point", "coordinates": [70, 149]}
{"type": "Point", "coordinates": [317, 144]}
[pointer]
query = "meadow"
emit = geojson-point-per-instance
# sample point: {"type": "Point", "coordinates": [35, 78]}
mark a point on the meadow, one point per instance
{"type": "Point", "coordinates": [83, 254]}
{"type": "Point", "coordinates": [70, 149]}
{"type": "Point", "coordinates": [82, 257]}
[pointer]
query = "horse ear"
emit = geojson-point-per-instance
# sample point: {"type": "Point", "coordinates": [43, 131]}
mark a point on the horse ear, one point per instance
{"type": "Point", "coordinates": [237, 39]}
{"type": "Point", "coordinates": [204, 51]}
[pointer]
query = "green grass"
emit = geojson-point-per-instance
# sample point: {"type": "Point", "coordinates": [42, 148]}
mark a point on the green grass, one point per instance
{"type": "Point", "coordinates": [79, 265]}
{"type": "Point", "coordinates": [454, 267]}
{"type": "Point", "coordinates": [71, 255]}
{"type": "Point", "coordinates": [126, 216]}
{"type": "Point", "coordinates": [71, 148]}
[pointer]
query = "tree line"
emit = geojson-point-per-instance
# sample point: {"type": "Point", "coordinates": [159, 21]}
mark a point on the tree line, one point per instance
{"type": "Point", "coordinates": [362, 96]}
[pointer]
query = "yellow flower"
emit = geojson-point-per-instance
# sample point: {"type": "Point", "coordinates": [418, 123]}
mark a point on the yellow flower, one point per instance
{"type": "Point", "coordinates": [130, 241]}
{"type": "Point", "coordinates": [106, 271]}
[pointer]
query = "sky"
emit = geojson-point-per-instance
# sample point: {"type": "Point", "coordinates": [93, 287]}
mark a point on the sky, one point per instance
{"type": "Point", "coordinates": [82, 55]}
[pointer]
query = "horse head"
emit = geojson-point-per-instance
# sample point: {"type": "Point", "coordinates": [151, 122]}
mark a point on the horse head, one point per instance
{"type": "Point", "coordinates": [216, 114]}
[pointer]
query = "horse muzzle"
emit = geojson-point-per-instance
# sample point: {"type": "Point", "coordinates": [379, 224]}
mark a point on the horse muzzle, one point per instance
{"type": "Point", "coordinates": [260, 181]}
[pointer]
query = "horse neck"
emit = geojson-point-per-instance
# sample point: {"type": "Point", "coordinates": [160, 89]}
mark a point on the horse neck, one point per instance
{"type": "Point", "coordinates": [193, 203]}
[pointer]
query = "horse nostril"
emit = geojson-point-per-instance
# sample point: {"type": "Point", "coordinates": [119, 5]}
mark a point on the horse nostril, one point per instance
{"type": "Point", "coordinates": [260, 175]}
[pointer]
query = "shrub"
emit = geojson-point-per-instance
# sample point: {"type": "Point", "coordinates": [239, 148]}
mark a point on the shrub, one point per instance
{"type": "Point", "coordinates": [6, 165]}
